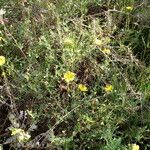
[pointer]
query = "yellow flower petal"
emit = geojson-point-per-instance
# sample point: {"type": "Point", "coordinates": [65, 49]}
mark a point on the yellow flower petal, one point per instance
{"type": "Point", "coordinates": [2, 60]}
{"type": "Point", "coordinates": [129, 8]}
{"type": "Point", "coordinates": [108, 88]}
{"type": "Point", "coordinates": [135, 147]}
{"type": "Point", "coordinates": [15, 131]}
{"type": "Point", "coordinates": [82, 88]}
{"type": "Point", "coordinates": [23, 137]}
{"type": "Point", "coordinates": [69, 76]}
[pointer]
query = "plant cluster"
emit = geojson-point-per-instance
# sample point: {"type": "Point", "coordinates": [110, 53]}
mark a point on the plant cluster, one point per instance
{"type": "Point", "coordinates": [74, 75]}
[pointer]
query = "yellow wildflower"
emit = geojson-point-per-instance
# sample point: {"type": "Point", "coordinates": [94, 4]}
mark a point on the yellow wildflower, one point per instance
{"type": "Point", "coordinates": [130, 8]}
{"type": "Point", "coordinates": [82, 88]}
{"type": "Point", "coordinates": [106, 51]}
{"type": "Point", "coordinates": [97, 42]}
{"type": "Point", "coordinates": [135, 147]}
{"type": "Point", "coordinates": [2, 60]}
{"type": "Point", "coordinates": [69, 76]}
{"type": "Point", "coordinates": [21, 135]}
{"type": "Point", "coordinates": [108, 88]}
{"type": "Point", "coordinates": [15, 131]}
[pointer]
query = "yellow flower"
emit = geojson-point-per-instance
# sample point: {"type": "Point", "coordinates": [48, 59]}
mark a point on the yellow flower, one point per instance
{"type": "Point", "coordinates": [2, 60]}
{"type": "Point", "coordinates": [69, 76]}
{"type": "Point", "coordinates": [97, 42]}
{"type": "Point", "coordinates": [21, 135]}
{"type": "Point", "coordinates": [130, 8]}
{"type": "Point", "coordinates": [15, 131]}
{"type": "Point", "coordinates": [69, 42]}
{"type": "Point", "coordinates": [106, 51]}
{"type": "Point", "coordinates": [82, 88]}
{"type": "Point", "coordinates": [135, 147]}
{"type": "Point", "coordinates": [108, 88]}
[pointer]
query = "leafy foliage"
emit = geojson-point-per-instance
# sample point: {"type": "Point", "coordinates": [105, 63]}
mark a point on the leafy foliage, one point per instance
{"type": "Point", "coordinates": [76, 74]}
